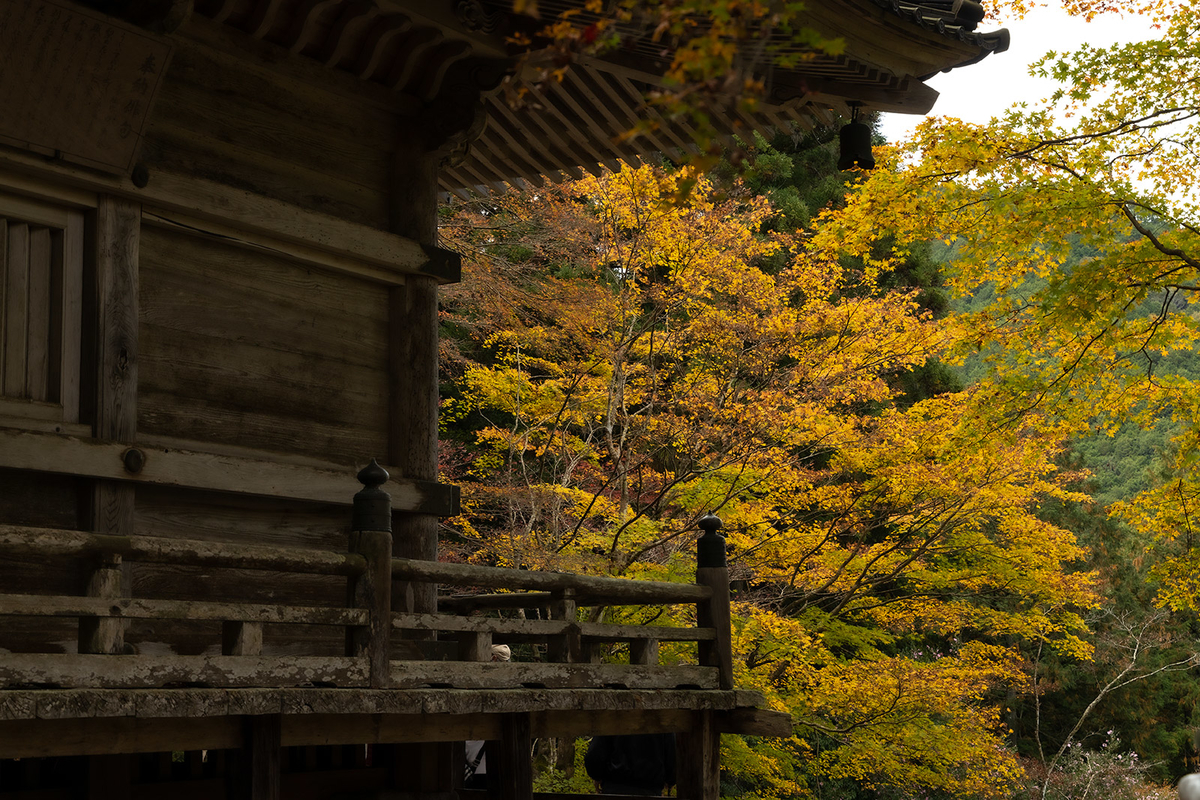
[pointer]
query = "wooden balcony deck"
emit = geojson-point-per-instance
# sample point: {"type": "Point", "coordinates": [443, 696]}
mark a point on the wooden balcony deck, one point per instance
{"type": "Point", "coordinates": [262, 682]}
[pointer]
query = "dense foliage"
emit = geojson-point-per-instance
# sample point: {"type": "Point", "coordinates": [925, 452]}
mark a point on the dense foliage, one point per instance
{"type": "Point", "coordinates": [619, 363]}
{"type": "Point", "coordinates": [929, 590]}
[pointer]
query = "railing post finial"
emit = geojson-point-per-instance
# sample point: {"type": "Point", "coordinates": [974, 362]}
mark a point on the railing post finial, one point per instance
{"type": "Point", "coordinates": [710, 548]}
{"type": "Point", "coordinates": [372, 505]}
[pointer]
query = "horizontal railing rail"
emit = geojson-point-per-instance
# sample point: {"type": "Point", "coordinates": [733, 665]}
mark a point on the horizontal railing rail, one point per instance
{"type": "Point", "coordinates": [19, 540]}
{"type": "Point", "coordinates": [589, 589]}
{"type": "Point", "coordinates": [376, 634]}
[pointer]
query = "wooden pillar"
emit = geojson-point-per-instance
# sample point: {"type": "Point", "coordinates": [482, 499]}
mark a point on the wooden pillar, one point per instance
{"type": "Point", "coordinates": [241, 638]}
{"type": "Point", "coordinates": [713, 613]}
{"type": "Point", "coordinates": [413, 363]}
{"type": "Point", "coordinates": [516, 758]}
{"type": "Point", "coordinates": [371, 537]}
{"type": "Point", "coordinates": [413, 426]}
{"type": "Point", "coordinates": [258, 776]}
{"type": "Point", "coordinates": [108, 777]}
{"type": "Point", "coordinates": [112, 324]}
{"type": "Point", "coordinates": [698, 760]}
{"type": "Point", "coordinates": [565, 649]}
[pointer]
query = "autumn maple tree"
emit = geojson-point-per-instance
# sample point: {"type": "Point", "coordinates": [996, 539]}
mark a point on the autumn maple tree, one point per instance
{"type": "Point", "coordinates": [619, 362]}
{"type": "Point", "coordinates": [1106, 167]}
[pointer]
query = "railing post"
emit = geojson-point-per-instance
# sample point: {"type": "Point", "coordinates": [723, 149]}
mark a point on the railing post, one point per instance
{"type": "Point", "coordinates": [712, 572]}
{"type": "Point", "coordinates": [104, 635]}
{"type": "Point", "coordinates": [371, 537]}
{"type": "Point", "coordinates": [565, 649]}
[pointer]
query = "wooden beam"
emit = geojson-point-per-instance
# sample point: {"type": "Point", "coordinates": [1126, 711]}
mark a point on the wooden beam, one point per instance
{"type": "Point", "coordinates": [412, 674]}
{"type": "Point", "coordinates": [51, 542]}
{"type": "Point", "coordinates": [556, 627]}
{"type": "Point", "coordinates": [47, 738]}
{"type": "Point", "coordinates": [69, 455]}
{"type": "Point", "coordinates": [47, 704]}
{"type": "Point", "coordinates": [442, 265]}
{"type": "Point", "coordinates": [124, 607]}
{"type": "Point", "coordinates": [104, 671]}
{"type": "Point", "coordinates": [755, 722]}
{"type": "Point", "coordinates": [212, 208]}
{"type": "Point", "coordinates": [588, 588]}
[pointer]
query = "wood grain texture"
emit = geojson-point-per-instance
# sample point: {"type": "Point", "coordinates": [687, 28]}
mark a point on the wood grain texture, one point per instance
{"type": "Point", "coordinates": [16, 309]}
{"type": "Point", "coordinates": [516, 765]}
{"type": "Point", "coordinates": [698, 759]}
{"type": "Point", "coordinates": [219, 121]}
{"type": "Point", "coordinates": [549, 676]}
{"type": "Point", "coordinates": [714, 613]}
{"type": "Point", "coordinates": [388, 257]}
{"type": "Point", "coordinates": [117, 223]}
{"type": "Point", "coordinates": [49, 452]}
{"type": "Point", "coordinates": [588, 588]}
{"type": "Point", "coordinates": [103, 671]}
{"type": "Point", "coordinates": [99, 606]}
{"type": "Point", "coordinates": [41, 316]}
{"type": "Point", "coordinates": [186, 703]}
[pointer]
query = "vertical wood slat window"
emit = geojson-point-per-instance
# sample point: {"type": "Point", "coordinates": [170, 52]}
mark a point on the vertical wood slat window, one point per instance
{"type": "Point", "coordinates": [41, 273]}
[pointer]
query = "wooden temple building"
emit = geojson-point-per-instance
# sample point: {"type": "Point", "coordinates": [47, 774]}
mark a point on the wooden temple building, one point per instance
{"type": "Point", "coordinates": [218, 303]}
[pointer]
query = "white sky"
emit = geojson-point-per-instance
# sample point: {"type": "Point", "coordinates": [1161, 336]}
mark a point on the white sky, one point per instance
{"type": "Point", "coordinates": [981, 91]}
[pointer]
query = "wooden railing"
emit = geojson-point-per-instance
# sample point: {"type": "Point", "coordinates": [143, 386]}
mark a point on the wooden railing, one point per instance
{"type": "Point", "coordinates": [374, 632]}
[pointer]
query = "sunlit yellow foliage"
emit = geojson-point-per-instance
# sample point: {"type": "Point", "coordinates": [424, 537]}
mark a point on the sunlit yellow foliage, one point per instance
{"type": "Point", "coordinates": [1107, 167]}
{"type": "Point", "coordinates": [645, 368]}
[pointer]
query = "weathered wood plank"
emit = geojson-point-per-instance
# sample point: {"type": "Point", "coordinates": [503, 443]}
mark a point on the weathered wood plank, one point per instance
{"type": "Point", "coordinates": [41, 339]}
{"type": "Point", "coordinates": [66, 737]}
{"type": "Point", "coordinates": [211, 288]}
{"type": "Point", "coordinates": [18, 704]}
{"type": "Point", "coordinates": [175, 513]}
{"type": "Point", "coordinates": [533, 627]}
{"type": "Point", "coordinates": [49, 542]}
{"type": "Point", "coordinates": [589, 589]}
{"type": "Point", "coordinates": [103, 671]}
{"type": "Point", "coordinates": [276, 386]}
{"type": "Point", "coordinates": [72, 315]}
{"type": "Point", "coordinates": [448, 622]}
{"type": "Point", "coordinates": [16, 310]}
{"type": "Point", "coordinates": [53, 606]}
{"type": "Point", "coordinates": [470, 603]}
{"type": "Point", "coordinates": [604, 632]}
{"type": "Point", "coordinates": [755, 722]}
{"type": "Point", "coordinates": [243, 210]}
{"type": "Point", "coordinates": [185, 417]}
{"type": "Point", "coordinates": [409, 674]}
{"type": "Point", "coordinates": [54, 453]}
{"type": "Point", "coordinates": [29, 210]}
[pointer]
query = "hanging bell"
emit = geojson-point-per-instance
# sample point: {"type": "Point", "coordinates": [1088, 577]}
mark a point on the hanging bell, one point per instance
{"type": "Point", "coordinates": [855, 141]}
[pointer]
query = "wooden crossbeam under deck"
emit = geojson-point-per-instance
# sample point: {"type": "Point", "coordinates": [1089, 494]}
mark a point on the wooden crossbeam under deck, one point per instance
{"type": "Point", "coordinates": [31, 738]}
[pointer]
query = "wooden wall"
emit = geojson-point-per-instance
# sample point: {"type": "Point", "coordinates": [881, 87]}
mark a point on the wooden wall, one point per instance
{"type": "Point", "coordinates": [237, 121]}
{"type": "Point", "coordinates": [243, 348]}
{"type": "Point", "coordinates": [243, 304]}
